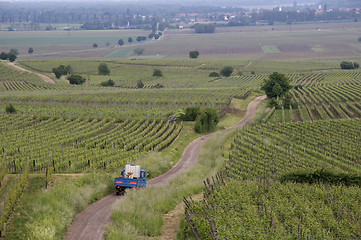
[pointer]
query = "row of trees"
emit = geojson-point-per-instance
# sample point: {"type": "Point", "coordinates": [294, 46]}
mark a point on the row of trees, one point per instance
{"type": "Point", "coordinates": [204, 27]}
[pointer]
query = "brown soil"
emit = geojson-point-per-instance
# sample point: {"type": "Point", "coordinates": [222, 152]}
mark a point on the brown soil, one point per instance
{"type": "Point", "coordinates": [90, 224]}
{"type": "Point", "coordinates": [234, 111]}
{"type": "Point", "coordinates": [43, 77]}
{"type": "Point", "coordinates": [296, 115]}
{"type": "Point", "coordinates": [315, 114]}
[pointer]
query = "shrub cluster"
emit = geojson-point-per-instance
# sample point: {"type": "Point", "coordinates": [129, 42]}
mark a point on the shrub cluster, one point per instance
{"type": "Point", "coordinates": [349, 65]}
{"type": "Point", "coordinates": [109, 83]}
{"type": "Point", "coordinates": [8, 56]}
{"type": "Point", "coordinates": [205, 119]}
{"type": "Point", "coordinates": [157, 73]}
{"type": "Point", "coordinates": [76, 79]}
{"type": "Point", "coordinates": [62, 70]}
{"type": "Point", "coordinates": [322, 175]}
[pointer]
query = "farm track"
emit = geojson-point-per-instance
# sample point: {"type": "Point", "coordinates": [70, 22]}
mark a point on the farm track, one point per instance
{"type": "Point", "coordinates": [91, 223]}
{"type": "Point", "coordinates": [43, 77]}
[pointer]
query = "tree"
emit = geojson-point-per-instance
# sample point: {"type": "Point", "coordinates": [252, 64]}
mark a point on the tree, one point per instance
{"type": "Point", "coordinates": [130, 40]}
{"type": "Point", "coordinates": [121, 42]}
{"type": "Point", "coordinates": [103, 69]}
{"type": "Point", "coordinates": [359, 39]}
{"type": "Point", "coordinates": [14, 51]}
{"type": "Point", "coordinates": [140, 84]}
{"type": "Point", "coordinates": [76, 79]}
{"type": "Point", "coordinates": [3, 56]}
{"type": "Point", "coordinates": [276, 86]}
{"type": "Point", "coordinates": [157, 73]}
{"type": "Point", "coordinates": [139, 38]}
{"type": "Point", "coordinates": [151, 35]}
{"type": "Point", "coordinates": [10, 109]}
{"type": "Point", "coordinates": [206, 121]}
{"type": "Point", "coordinates": [108, 83]}
{"type": "Point", "coordinates": [139, 51]}
{"type": "Point", "coordinates": [193, 54]}
{"type": "Point", "coordinates": [12, 57]}
{"type": "Point", "coordinates": [95, 45]}
{"type": "Point", "coordinates": [226, 71]}
{"type": "Point", "coordinates": [31, 50]}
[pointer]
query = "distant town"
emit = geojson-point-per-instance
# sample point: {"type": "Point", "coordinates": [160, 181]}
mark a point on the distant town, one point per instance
{"type": "Point", "coordinates": [45, 16]}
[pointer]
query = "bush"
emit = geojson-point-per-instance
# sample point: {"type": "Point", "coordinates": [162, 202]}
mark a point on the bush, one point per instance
{"type": "Point", "coordinates": [31, 50]}
{"type": "Point", "coordinates": [227, 71]}
{"type": "Point", "coordinates": [157, 73]}
{"type": "Point", "coordinates": [206, 121]}
{"type": "Point", "coordinates": [322, 175]}
{"type": "Point", "coordinates": [193, 54]}
{"type": "Point", "coordinates": [76, 79]}
{"type": "Point", "coordinates": [108, 83]}
{"type": "Point", "coordinates": [10, 109]}
{"type": "Point", "coordinates": [95, 45]}
{"type": "Point", "coordinates": [62, 70]}
{"type": "Point", "coordinates": [239, 73]}
{"type": "Point", "coordinates": [213, 74]}
{"type": "Point", "coordinates": [140, 84]}
{"type": "Point", "coordinates": [349, 65]}
{"type": "Point", "coordinates": [191, 113]}
{"type": "Point", "coordinates": [159, 85]}
{"type": "Point", "coordinates": [130, 40]}
{"type": "Point", "coordinates": [359, 39]}
{"type": "Point", "coordinates": [103, 69]}
{"type": "Point", "coordinates": [121, 42]}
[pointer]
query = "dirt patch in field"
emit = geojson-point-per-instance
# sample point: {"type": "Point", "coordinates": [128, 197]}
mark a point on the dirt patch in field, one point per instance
{"type": "Point", "coordinates": [235, 111]}
{"type": "Point", "coordinates": [297, 115]}
{"type": "Point", "coordinates": [315, 114]}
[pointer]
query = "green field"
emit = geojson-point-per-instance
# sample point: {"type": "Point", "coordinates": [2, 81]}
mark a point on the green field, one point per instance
{"type": "Point", "coordinates": [120, 53]}
{"type": "Point", "coordinates": [270, 49]}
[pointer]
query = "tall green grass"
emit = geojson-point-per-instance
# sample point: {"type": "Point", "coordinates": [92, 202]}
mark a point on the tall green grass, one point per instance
{"type": "Point", "coordinates": [47, 213]}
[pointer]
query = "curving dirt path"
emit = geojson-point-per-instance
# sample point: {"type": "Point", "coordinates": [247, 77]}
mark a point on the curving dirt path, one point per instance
{"type": "Point", "coordinates": [90, 223]}
{"type": "Point", "coordinates": [43, 77]}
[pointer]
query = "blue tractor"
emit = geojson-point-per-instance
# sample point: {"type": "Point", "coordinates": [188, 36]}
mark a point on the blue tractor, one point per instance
{"type": "Point", "coordinates": [132, 177]}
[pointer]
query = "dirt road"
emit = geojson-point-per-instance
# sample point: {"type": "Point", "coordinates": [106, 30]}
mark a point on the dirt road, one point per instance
{"type": "Point", "coordinates": [43, 77]}
{"type": "Point", "coordinates": [90, 224]}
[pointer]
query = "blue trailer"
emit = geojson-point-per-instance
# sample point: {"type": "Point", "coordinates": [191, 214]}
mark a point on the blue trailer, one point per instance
{"type": "Point", "coordinates": [132, 177]}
